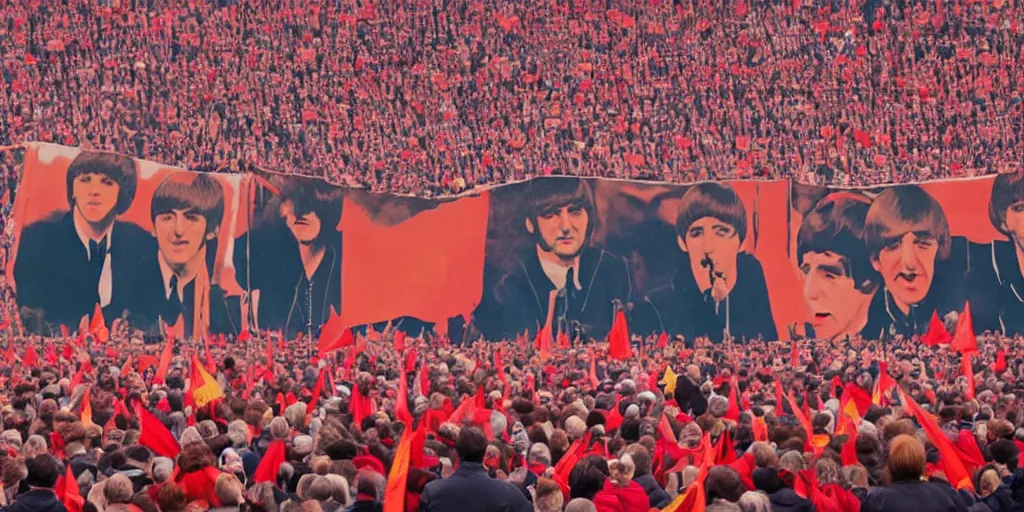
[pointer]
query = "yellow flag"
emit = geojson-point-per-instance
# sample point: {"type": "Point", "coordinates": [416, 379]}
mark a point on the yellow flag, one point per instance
{"type": "Point", "coordinates": [203, 386]}
{"type": "Point", "coordinates": [669, 380]}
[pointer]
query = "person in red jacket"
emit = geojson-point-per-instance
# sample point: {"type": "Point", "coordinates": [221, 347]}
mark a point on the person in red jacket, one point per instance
{"type": "Point", "coordinates": [620, 493]}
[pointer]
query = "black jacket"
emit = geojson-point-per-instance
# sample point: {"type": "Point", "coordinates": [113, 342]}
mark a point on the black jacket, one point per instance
{"type": "Point", "coordinates": [684, 309]}
{"type": "Point", "coordinates": [904, 496]}
{"type": "Point", "coordinates": [786, 500]}
{"type": "Point", "coordinates": [470, 489]}
{"type": "Point", "coordinates": [523, 294]}
{"type": "Point", "coordinates": [995, 289]}
{"type": "Point", "coordinates": [655, 494]}
{"type": "Point", "coordinates": [289, 300]}
{"type": "Point", "coordinates": [36, 501]}
{"type": "Point", "coordinates": [151, 303]}
{"type": "Point", "coordinates": [54, 275]}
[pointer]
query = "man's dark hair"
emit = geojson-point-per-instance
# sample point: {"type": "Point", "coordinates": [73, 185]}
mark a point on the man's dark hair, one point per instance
{"type": "Point", "coordinates": [1007, 190]}
{"type": "Point", "coordinates": [471, 445]}
{"type": "Point", "coordinates": [716, 200]}
{"type": "Point", "coordinates": [43, 471]}
{"type": "Point", "coordinates": [118, 168]}
{"type": "Point", "coordinates": [547, 194]}
{"type": "Point", "coordinates": [190, 191]}
{"type": "Point", "coordinates": [138, 453]}
{"type": "Point", "coordinates": [836, 225]}
{"type": "Point", "coordinates": [314, 196]}
{"type": "Point", "coordinates": [904, 209]}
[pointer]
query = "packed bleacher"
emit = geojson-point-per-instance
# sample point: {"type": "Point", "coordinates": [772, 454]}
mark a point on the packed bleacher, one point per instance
{"type": "Point", "coordinates": [435, 97]}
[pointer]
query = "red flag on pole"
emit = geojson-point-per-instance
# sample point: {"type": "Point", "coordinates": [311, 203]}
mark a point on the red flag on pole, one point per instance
{"type": "Point", "coordinates": [318, 388]}
{"type": "Point", "coordinates": [394, 495]}
{"type": "Point", "coordinates": [155, 435]}
{"type": "Point", "coordinates": [271, 462]}
{"type": "Point", "coordinates": [1000, 365]}
{"type": "Point", "coordinates": [937, 333]}
{"type": "Point", "coordinates": [956, 472]}
{"type": "Point", "coordinates": [963, 337]}
{"type": "Point", "coordinates": [618, 338]}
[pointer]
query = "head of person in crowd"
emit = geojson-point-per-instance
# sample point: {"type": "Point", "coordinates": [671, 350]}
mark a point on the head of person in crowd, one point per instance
{"type": "Point", "coordinates": [906, 233]}
{"type": "Point", "coordinates": [839, 279]}
{"type": "Point", "coordinates": [710, 228]}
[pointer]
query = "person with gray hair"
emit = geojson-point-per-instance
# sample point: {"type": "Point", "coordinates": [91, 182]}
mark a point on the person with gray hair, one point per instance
{"type": "Point", "coordinates": [35, 445]}
{"type": "Point", "coordinates": [580, 505]}
{"type": "Point", "coordinates": [755, 501]}
{"type": "Point", "coordinates": [539, 454]}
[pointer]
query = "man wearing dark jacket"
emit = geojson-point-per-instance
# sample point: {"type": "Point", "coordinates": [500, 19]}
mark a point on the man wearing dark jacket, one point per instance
{"type": "Point", "coordinates": [642, 475]}
{"type": "Point", "coordinates": [43, 471]}
{"type": "Point", "coordinates": [716, 290]}
{"type": "Point", "coordinates": [469, 489]}
{"type": "Point", "coordinates": [68, 263]}
{"type": "Point", "coordinates": [562, 281]}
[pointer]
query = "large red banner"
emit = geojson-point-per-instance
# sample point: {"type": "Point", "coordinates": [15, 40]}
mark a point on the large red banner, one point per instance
{"type": "Point", "coordinates": [744, 259]}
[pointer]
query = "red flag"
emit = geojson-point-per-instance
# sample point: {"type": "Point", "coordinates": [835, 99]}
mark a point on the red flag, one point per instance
{"type": "Point", "coordinates": [614, 419]}
{"type": "Point", "coordinates": [543, 342]}
{"type": "Point", "coordinates": [778, 398]}
{"type": "Point", "coordinates": [399, 341]}
{"type": "Point", "coordinates": [67, 491]}
{"type": "Point", "coordinates": [733, 412]}
{"type": "Point", "coordinates": [1000, 365]}
{"type": "Point", "coordinates": [563, 340]}
{"type": "Point", "coordinates": [31, 359]}
{"type": "Point", "coordinates": [662, 340]}
{"type": "Point", "coordinates": [956, 472]}
{"type": "Point", "coordinates": [402, 407]}
{"type": "Point", "coordinates": [937, 333]}
{"type": "Point", "coordinates": [883, 385]}
{"type": "Point", "coordinates": [98, 326]}
{"type": "Point", "coordinates": [126, 368]}
{"type": "Point", "coordinates": [318, 388]}
{"type": "Point", "coordinates": [968, 371]}
{"type": "Point", "coordinates": [270, 353]}
{"type": "Point", "coordinates": [860, 398]}
{"type": "Point", "coordinates": [76, 379]}
{"type": "Point", "coordinates": [85, 412]}
{"type": "Point", "coordinates": [795, 354]}
{"type": "Point", "coordinates": [618, 338]}
{"type": "Point", "coordinates": [725, 452]}
{"type": "Point", "coordinates": [334, 335]}
{"type": "Point", "coordinates": [155, 435]}
{"type": "Point", "coordinates": [244, 336]}
{"type": "Point", "coordinates": [359, 406]}
{"type": "Point", "coordinates": [394, 495]}
{"type": "Point", "coordinates": [963, 337]}
{"type": "Point", "coordinates": [270, 463]}
{"type": "Point", "coordinates": [165, 361]}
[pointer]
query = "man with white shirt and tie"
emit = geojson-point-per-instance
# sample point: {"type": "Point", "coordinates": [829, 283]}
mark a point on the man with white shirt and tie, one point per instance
{"type": "Point", "coordinates": [70, 262]}
{"type": "Point", "coordinates": [561, 281]}
{"type": "Point", "coordinates": [187, 210]}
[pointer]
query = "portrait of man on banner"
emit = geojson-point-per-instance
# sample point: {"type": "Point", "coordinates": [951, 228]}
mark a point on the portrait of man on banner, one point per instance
{"type": "Point", "coordinates": [187, 210]}
{"type": "Point", "coordinates": [560, 280]}
{"type": "Point", "coordinates": [995, 282]}
{"type": "Point", "coordinates": [839, 281]}
{"type": "Point", "coordinates": [76, 259]}
{"type": "Point", "coordinates": [909, 244]}
{"type": "Point", "coordinates": [294, 258]}
{"type": "Point", "coordinates": [717, 290]}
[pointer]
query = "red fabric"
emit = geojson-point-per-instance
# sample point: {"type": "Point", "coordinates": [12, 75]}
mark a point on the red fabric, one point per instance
{"type": "Point", "coordinates": [334, 335]}
{"type": "Point", "coordinates": [967, 448]}
{"type": "Point", "coordinates": [614, 419]}
{"type": "Point", "coordinates": [968, 371]}
{"type": "Point", "coordinates": [963, 336]}
{"type": "Point", "coordinates": [618, 338]}
{"type": "Point", "coordinates": [199, 485]}
{"type": "Point", "coordinates": [725, 452]}
{"type": "Point", "coordinates": [733, 412]}
{"type": "Point", "coordinates": [834, 497]}
{"type": "Point", "coordinates": [270, 463]}
{"type": "Point", "coordinates": [67, 492]}
{"type": "Point", "coordinates": [779, 409]}
{"type": "Point", "coordinates": [165, 361]}
{"type": "Point", "coordinates": [860, 398]}
{"type": "Point", "coordinates": [613, 498]}
{"type": "Point", "coordinates": [155, 435]}
{"type": "Point", "coordinates": [662, 340]}
{"type": "Point", "coordinates": [318, 389]}
{"type": "Point", "coordinates": [359, 406]}
{"type": "Point", "coordinates": [745, 466]}
{"type": "Point", "coordinates": [937, 333]}
{"type": "Point", "coordinates": [956, 472]}
{"type": "Point", "coordinates": [31, 359]}
{"type": "Point", "coordinates": [1000, 365]}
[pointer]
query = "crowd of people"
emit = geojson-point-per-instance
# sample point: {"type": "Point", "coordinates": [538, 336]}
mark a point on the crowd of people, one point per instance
{"type": "Point", "coordinates": [405, 424]}
{"type": "Point", "coordinates": [436, 96]}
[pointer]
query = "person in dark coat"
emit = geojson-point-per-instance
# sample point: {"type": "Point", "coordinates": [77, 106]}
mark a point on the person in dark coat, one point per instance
{"type": "Point", "coordinates": [294, 258]}
{"type": "Point", "coordinates": [43, 471]}
{"type": "Point", "coordinates": [922, 267]}
{"type": "Point", "coordinates": [995, 282]}
{"type": "Point", "coordinates": [642, 475]}
{"type": "Point", "coordinates": [562, 281]}
{"type": "Point", "coordinates": [370, 487]}
{"type": "Point", "coordinates": [839, 281]}
{"type": "Point", "coordinates": [716, 289]}
{"type": "Point", "coordinates": [905, 467]}
{"type": "Point", "coordinates": [688, 395]}
{"type": "Point", "coordinates": [469, 489]}
{"type": "Point", "coordinates": [187, 210]}
{"type": "Point", "coordinates": [68, 263]}
{"type": "Point", "coordinates": [782, 498]}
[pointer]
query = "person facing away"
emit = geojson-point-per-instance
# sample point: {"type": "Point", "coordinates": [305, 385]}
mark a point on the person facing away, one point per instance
{"type": "Point", "coordinates": [470, 489]}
